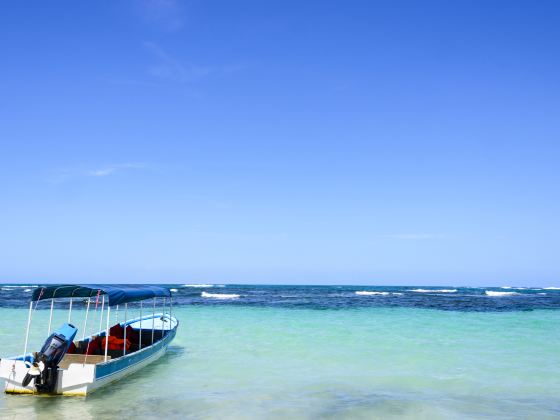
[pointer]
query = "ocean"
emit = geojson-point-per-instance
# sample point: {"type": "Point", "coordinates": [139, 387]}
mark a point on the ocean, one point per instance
{"type": "Point", "coordinates": [313, 352]}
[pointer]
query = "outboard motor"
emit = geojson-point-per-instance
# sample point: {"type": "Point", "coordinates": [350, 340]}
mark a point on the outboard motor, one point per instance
{"type": "Point", "coordinates": [45, 366]}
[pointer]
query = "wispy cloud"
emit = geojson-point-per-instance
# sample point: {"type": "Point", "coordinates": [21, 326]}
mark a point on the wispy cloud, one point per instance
{"type": "Point", "coordinates": [61, 175]}
{"type": "Point", "coordinates": [169, 68]}
{"type": "Point", "coordinates": [168, 15]}
{"type": "Point", "coordinates": [413, 236]}
{"type": "Point", "coordinates": [111, 169]}
{"type": "Point", "coordinates": [172, 69]}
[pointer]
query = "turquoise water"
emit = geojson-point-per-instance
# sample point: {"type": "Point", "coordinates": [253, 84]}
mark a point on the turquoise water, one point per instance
{"type": "Point", "coordinates": [250, 362]}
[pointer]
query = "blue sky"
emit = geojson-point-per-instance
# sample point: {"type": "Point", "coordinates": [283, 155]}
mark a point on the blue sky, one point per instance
{"type": "Point", "coordinates": [374, 142]}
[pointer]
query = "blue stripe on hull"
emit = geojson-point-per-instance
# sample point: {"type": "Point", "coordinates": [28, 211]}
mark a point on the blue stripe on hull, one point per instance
{"type": "Point", "coordinates": [123, 363]}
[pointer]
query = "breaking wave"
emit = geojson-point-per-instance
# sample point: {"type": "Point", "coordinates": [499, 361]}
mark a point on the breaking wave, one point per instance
{"type": "Point", "coordinates": [369, 293]}
{"type": "Point", "coordinates": [434, 290]}
{"type": "Point", "coordinates": [496, 294]}
{"type": "Point", "coordinates": [219, 295]}
{"type": "Point", "coordinates": [12, 288]}
{"type": "Point", "coordinates": [372, 293]}
{"type": "Point", "coordinates": [198, 285]}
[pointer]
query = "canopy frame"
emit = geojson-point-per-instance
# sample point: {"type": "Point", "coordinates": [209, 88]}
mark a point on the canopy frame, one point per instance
{"type": "Point", "coordinates": [116, 293]}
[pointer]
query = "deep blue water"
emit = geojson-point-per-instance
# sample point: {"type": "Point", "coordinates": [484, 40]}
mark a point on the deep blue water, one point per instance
{"type": "Point", "coordinates": [449, 298]}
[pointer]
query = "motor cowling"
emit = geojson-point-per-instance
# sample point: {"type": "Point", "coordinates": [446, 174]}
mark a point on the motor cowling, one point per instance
{"type": "Point", "coordinates": [44, 369]}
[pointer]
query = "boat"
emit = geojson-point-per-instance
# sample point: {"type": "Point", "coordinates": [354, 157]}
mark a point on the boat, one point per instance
{"type": "Point", "coordinates": [67, 365]}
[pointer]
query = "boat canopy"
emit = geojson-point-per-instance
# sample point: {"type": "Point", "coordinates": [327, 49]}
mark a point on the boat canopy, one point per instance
{"type": "Point", "coordinates": [116, 293]}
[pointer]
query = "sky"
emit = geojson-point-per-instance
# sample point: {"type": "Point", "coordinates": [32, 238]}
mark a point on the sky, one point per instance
{"type": "Point", "coordinates": [317, 142]}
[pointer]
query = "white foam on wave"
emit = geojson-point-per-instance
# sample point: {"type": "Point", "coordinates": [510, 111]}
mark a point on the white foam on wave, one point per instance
{"type": "Point", "coordinates": [173, 290]}
{"type": "Point", "coordinates": [434, 290]}
{"type": "Point", "coordinates": [28, 290]}
{"type": "Point", "coordinates": [219, 295]}
{"type": "Point", "coordinates": [551, 288]}
{"type": "Point", "coordinates": [370, 293]}
{"type": "Point", "coordinates": [497, 294]}
{"type": "Point", "coordinates": [18, 286]}
{"type": "Point", "coordinates": [198, 285]}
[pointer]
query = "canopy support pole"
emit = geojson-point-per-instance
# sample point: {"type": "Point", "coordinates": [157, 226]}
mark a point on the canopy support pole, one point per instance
{"type": "Point", "coordinates": [50, 317]}
{"type": "Point", "coordinates": [107, 332]}
{"type": "Point", "coordinates": [153, 320]}
{"type": "Point", "coordinates": [70, 311]}
{"type": "Point", "coordinates": [162, 317]}
{"type": "Point", "coordinates": [85, 320]}
{"type": "Point", "coordinates": [27, 331]}
{"type": "Point", "coordinates": [102, 307]}
{"type": "Point", "coordinates": [140, 326]}
{"type": "Point", "coordinates": [125, 314]}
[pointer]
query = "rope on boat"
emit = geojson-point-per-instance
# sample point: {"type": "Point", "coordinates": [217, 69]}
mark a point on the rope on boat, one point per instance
{"type": "Point", "coordinates": [39, 298]}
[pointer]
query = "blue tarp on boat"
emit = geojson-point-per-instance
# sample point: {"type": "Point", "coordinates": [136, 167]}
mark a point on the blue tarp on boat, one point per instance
{"type": "Point", "coordinates": [117, 293]}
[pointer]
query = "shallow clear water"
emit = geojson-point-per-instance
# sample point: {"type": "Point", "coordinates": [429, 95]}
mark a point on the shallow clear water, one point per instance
{"type": "Point", "coordinates": [248, 362]}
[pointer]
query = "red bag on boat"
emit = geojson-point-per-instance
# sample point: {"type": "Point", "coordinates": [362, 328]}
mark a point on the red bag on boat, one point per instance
{"type": "Point", "coordinates": [116, 331]}
{"type": "Point", "coordinates": [132, 334]}
{"type": "Point", "coordinates": [94, 346]}
{"type": "Point", "coordinates": [115, 343]}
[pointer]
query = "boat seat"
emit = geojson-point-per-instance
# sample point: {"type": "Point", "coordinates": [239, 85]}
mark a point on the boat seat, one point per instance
{"type": "Point", "coordinates": [68, 359]}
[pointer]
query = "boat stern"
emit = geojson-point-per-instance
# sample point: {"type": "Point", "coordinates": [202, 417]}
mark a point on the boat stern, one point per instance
{"type": "Point", "coordinates": [74, 381]}
{"type": "Point", "coordinates": [13, 372]}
